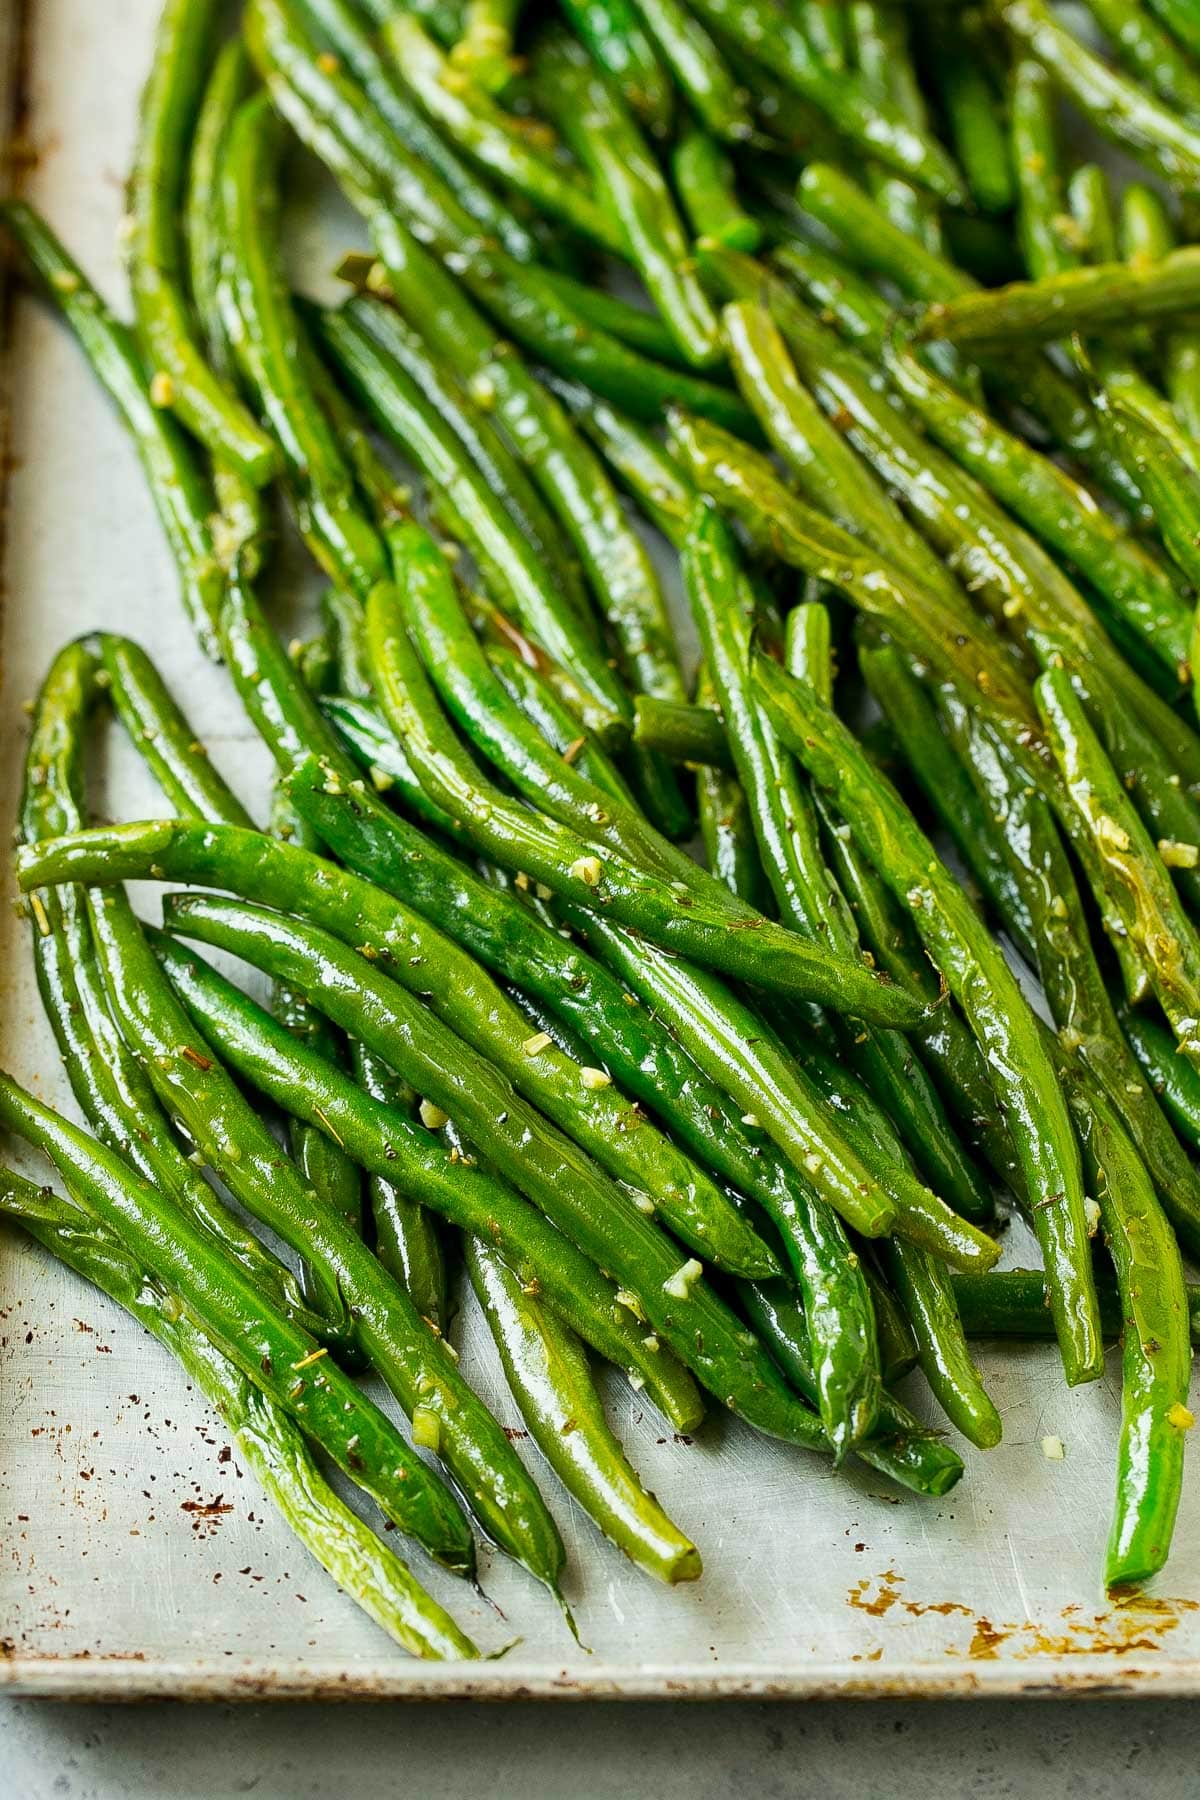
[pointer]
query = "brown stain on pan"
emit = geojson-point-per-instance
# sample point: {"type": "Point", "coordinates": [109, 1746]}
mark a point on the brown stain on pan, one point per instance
{"type": "Point", "coordinates": [1133, 1623]}
{"type": "Point", "coordinates": [16, 56]}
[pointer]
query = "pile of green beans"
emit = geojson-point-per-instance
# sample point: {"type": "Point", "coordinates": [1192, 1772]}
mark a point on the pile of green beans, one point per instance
{"type": "Point", "coordinates": [666, 981]}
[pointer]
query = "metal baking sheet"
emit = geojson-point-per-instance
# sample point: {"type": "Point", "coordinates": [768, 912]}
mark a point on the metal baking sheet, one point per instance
{"type": "Point", "coordinates": [137, 1557]}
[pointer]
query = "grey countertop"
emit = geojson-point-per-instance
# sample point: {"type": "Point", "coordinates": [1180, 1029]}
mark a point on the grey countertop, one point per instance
{"type": "Point", "coordinates": [947, 1751]}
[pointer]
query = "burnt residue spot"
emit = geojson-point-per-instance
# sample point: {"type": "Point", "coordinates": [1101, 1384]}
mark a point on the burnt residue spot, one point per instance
{"type": "Point", "coordinates": [1132, 1623]}
{"type": "Point", "coordinates": [882, 1600]}
{"type": "Point", "coordinates": [206, 1515]}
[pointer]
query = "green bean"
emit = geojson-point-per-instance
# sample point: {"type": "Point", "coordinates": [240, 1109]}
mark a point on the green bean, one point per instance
{"type": "Point", "coordinates": [242, 522]}
{"type": "Point", "coordinates": [406, 1239]}
{"type": "Point", "coordinates": [631, 323]}
{"type": "Point", "coordinates": [960, 810]}
{"type": "Point", "coordinates": [264, 1436]}
{"type": "Point", "coordinates": [465, 488]}
{"type": "Point", "coordinates": [286, 716]}
{"type": "Point", "coordinates": [739, 942]}
{"type": "Point", "coordinates": [603, 1121]}
{"type": "Point", "coordinates": [395, 1148]}
{"type": "Point", "coordinates": [314, 658]}
{"type": "Point", "coordinates": [1045, 228]}
{"type": "Point", "coordinates": [376, 173]}
{"type": "Point", "coordinates": [840, 1330]}
{"type": "Point", "coordinates": [1148, 233]}
{"type": "Point", "coordinates": [948, 789]}
{"type": "Point", "coordinates": [897, 1346]}
{"type": "Point", "coordinates": [1071, 979]}
{"type": "Point", "coordinates": [470, 120]}
{"type": "Point", "coordinates": [824, 24]}
{"type": "Point", "coordinates": [111, 1089]}
{"type": "Point", "coordinates": [580, 1100]}
{"type": "Point", "coordinates": [1012, 1303]}
{"type": "Point", "coordinates": [343, 619]}
{"type": "Point", "coordinates": [969, 105]}
{"type": "Point", "coordinates": [744, 485]}
{"type": "Point", "coordinates": [1173, 1079]}
{"type": "Point", "coordinates": [921, 1282]}
{"type": "Point", "coordinates": [923, 1219]}
{"type": "Point", "coordinates": [928, 1299]}
{"type": "Point", "coordinates": [197, 1090]}
{"type": "Point", "coordinates": [630, 187]}
{"type": "Point", "coordinates": [1118, 108]}
{"type": "Point", "coordinates": [568, 472]}
{"type": "Point", "coordinates": [982, 983]}
{"type": "Point", "coordinates": [1134, 875]}
{"type": "Point", "coordinates": [1025, 590]}
{"type": "Point", "coordinates": [499, 635]}
{"type": "Point", "coordinates": [484, 52]}
{"type": "Point", "coordinates": [643, 1054]}
{"type": "Point", "coordinates": [705, 181]}
{"type": "Point", "coordinates": [613, 33]}
{"type": "Point", "coordinates": [726, 825]}
{"type": "Point", "coordinates": [176, 485]}
{"type": "Point", "coordinates": [332, 1175]}
{"type": "Point", "coordinates": [1029, 380]}
{"type": "Point", "coordinates": [1112, 363]}
{"type": "Point", "coordinates": [1172, 485]}
{"type": "Point", "coordinates": [537, 701]}
{"type": "Point", "coordinates": [266, 337]}
{"type": "Point", "coordinates": [882, 52]}
{"type": "Point", "coordinates": [637, 459]}
{"type": "Point", "coordinates": [548, 1374]}
{"type": "Point", "coordinates": [946, 1045]}
{"type": "Point", "coordinates": [484, 445]}
{"type": "Point", "coordinates": [1103, 294]}
{"type": "Point", "coordinates": [547, 1166]}
{"type": "Point", "coordinates": [838, 294]}
{"type": "Point", "coordinates": [828, 472]}
{"type": "Point", "coordinates": [1059, 510]}
{"type": "Point", "coordinates": [617, 564]}
{"type": "Point", "coordinates": [538, 312]}
{"type": "Point", "coordinates": [1150, 53]}
{"type": "Point", "coordinates": [183, 381]}
{"type": "Point", "coordinates": [273, 1353]}
{"type": "Point", "coordinates": [445, 18]}
{"type": "Point", "coordinates": [1178, 18]}
{"type": "Point", "coordinates": [493, 723]}
{"type": "Point", "coordinates": [808, 647]}
{"type": "Point", "coordinates": [162, 735]}
{"type": "Point", "coordinates": [873, 124]}
{"type": "Point", "coordinates": [741, 1054]}
{"type": "Point", "coordinates": [900, 1445]}
{"type": "Point", "coordinates": [363, 732]}
{"type": "Point", "coordinates": [699, 69]}
{"type": "Point", "coordinates": [785, 824]}
{"type": "Point", "coordinates": [334, 25]}
{"type": "Point", "coordinates": [686, 733]}
{"type": "Point", "coordinates": [374, 474]}
{"type": "Point", "coordinates": [1157, 1355]}
{"type": "Point", "coordinates": [279, 710]}
{"type": "Point", "coordinates": [228, 85]}
{"type": "Point", "coordinates": [943, 780]}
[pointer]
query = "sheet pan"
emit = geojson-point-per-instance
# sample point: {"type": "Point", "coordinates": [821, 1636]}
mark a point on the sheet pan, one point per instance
{"type": "Point", "coordinates": [136, 1557]}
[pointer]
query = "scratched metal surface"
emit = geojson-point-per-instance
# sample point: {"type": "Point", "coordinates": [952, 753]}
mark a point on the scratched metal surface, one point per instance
{"type": "Point", "coordinates": [138, 1560]}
